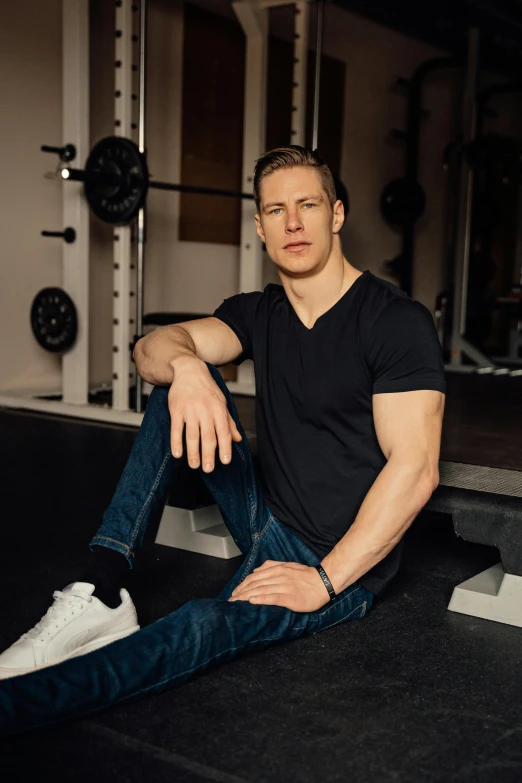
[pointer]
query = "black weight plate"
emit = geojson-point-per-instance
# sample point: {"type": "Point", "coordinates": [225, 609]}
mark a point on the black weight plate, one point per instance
{"type": "Point", "coordinates": [54, 320]}
{"type": "Point", "coordinates": [117, 204]}
{"type": "Point", "coordinates": [403, 201]}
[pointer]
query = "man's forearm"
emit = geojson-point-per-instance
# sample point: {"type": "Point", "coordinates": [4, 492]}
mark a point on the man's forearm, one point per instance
{"type": "Point", "coordinates": [398, 494]}
{"type": "Point", "coordinates": [157, 354]}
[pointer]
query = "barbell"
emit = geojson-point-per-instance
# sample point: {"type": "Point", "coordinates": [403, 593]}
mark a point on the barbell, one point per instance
{"type": "Point", "coordinates": [116, 181]}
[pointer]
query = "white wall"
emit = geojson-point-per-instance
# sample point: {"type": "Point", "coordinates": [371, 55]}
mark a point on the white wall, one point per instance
{"type": "Point", "coordinates": [30, 94]}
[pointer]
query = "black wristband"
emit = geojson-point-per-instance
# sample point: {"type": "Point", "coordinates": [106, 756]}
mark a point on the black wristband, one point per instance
{"type": "Point", "coordinates": [326, 581]}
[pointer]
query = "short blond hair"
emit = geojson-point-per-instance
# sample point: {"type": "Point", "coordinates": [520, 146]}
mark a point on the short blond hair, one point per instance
{"type": "Point", "coordinates": [289, 158]}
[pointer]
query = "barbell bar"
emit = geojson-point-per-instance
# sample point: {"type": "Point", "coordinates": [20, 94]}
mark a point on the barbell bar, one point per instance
{"type": "Point", "coordinates": [116, 181]}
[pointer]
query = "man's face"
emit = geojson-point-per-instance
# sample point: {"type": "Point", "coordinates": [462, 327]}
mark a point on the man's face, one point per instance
{"type": "Point", "coordinates": [296, 221]}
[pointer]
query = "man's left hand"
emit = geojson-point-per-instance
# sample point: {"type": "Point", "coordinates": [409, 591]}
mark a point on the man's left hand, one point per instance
{"type": "Point", "coordinates": [291, 585]}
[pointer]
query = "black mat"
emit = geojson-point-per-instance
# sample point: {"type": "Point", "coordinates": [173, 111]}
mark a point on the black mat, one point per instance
{"type": "Point", "coordinates": [411, 693]}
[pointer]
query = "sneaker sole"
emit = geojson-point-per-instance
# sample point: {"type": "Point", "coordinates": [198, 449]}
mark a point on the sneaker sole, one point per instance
{"type": "Point", "coordinates": [87, 648]}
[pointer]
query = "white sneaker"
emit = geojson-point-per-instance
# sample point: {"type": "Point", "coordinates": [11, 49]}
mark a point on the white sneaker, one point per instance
{"type": "Point", "coordinates": [75, 624]}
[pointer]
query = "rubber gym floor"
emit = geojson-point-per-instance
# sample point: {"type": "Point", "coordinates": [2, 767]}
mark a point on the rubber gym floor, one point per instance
{"type": "Point", "coordinates": [411, 693]}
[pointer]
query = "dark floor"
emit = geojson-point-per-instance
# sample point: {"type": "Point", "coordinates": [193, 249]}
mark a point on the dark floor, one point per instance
{"type": "Point", "coordinates": [411, 693]}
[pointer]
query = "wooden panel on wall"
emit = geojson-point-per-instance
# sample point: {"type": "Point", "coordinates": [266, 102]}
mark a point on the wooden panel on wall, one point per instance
{"type": "Point", "coordinates": [212, 125]}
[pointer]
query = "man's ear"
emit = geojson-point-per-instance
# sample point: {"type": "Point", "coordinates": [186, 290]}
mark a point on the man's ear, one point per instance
{"type": "Point", "coordinates": [338, 216]}
{"type": "Point", "coordinates": [259, 229]}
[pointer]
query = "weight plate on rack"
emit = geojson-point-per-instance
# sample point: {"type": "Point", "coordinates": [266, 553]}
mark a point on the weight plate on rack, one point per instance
{"type": "Point", "coordinates": [120, 159]}
{"type": "Point", "coordinates": [54, 320]}
{"type": "Point", "coordinates": [403, 201]}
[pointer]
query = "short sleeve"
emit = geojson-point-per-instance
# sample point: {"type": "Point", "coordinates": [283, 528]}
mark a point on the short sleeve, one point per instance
{"type": "Point", "coordinates": [404, 352]}
{"type": "Point", "coordinates": [238, 312]}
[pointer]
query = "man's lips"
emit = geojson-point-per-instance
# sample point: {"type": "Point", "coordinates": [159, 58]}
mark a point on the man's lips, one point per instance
{"type": "Point", "coordinates": [294, 247]}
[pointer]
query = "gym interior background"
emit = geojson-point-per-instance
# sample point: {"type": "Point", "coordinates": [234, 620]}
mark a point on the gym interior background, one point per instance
{"type": "Point", "coordinates": [436, 691]}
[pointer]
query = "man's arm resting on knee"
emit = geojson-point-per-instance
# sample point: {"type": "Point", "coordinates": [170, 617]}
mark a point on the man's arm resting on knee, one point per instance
{"type": "Point", "coordinates": [175, 356]}
{"type": "Point", "coordinates": [207, 339]}
{"type": "Point", "coordinates": [397, 496]}
{"type": "Point", "coordinates": [408, 427]}
{"type": "Point", "coordinates": [392, 503]}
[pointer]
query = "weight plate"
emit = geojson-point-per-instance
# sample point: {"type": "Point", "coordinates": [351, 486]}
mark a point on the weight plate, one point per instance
{"type": "Point", "coordinates": [54, 320]}
{"type": "Point", "coordinates": [117, 157]}
{"type": "Point", "coordinates": [403, 201]}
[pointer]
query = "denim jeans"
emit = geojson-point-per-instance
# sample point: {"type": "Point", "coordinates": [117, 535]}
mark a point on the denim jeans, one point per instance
{"type": "Point", "coordinates": [203, 632]}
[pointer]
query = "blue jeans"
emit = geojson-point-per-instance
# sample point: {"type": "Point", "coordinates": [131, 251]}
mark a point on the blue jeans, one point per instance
{"type": "Point", "coordinates": [203, 632]}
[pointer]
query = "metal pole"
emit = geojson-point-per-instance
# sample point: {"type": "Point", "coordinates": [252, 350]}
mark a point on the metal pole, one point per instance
{"type": "Point", "coordinates": [253, 19]}
{"type": "Point", "coordinates": [298, 121]}
{"type": "Point", "coordinates": [123, 317]}
{"type": "Point", "coordinates": [141, 213]}
{"type": "Point", "coordinates": [143, 74]}
{"type": "Point", "coordinates": [469, 124]}
{"type": "Point", "coordinates": [75, 256]}
{"type": "Point", "coordinates": [317, 80]}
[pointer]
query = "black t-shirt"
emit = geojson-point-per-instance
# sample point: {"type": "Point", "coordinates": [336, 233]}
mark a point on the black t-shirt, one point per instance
{"type": "Point", "coordinates": [317, 445]}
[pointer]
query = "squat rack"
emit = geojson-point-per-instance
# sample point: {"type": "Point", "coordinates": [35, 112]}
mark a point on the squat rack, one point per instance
{"type": "Point", "coordinates": [459, 345]}
{"type": "Point", "coordinates": [128, 291]}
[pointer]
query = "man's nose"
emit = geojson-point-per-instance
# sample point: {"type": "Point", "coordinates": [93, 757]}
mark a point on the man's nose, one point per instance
{"type": "Point", "coordinates": [293, 221]}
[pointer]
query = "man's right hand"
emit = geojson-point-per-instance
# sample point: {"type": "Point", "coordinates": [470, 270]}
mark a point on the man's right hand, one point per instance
{"type": "Point", "coordinates": [197, 403]}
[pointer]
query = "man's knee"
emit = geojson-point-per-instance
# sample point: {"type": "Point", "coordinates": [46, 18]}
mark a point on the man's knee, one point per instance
{"type": "Point", "coordinates": [159, 395]}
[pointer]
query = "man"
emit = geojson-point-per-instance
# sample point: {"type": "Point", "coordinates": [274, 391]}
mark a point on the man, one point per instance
{"type": "Point", "coordinates": [349, 406]}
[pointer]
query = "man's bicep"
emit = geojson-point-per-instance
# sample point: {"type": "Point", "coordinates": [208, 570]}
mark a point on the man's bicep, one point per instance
{"type": "Point", "coordinates": [216, 343]}
{"type": "Point", "coordinates": [408, 426]}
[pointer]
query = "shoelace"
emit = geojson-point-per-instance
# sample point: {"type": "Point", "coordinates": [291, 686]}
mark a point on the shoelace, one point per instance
{"type": "Point", "coordinates": [64, 603]}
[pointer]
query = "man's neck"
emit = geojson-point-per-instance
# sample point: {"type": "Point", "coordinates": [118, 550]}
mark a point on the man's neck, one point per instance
{"type": "Point", "coordinates": [313, 296]}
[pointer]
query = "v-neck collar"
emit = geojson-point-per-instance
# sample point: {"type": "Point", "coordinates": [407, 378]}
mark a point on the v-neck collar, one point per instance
{"type": "Point", "coordinates": [347, 294]}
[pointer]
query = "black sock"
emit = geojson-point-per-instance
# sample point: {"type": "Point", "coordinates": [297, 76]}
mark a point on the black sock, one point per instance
{"type": "Point", "coordinates": [105, 568]}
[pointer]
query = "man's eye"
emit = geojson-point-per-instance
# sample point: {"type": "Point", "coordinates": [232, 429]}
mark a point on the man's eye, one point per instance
{"type": "Point", "coordinates": [275, 210]}
{"type": "Point", "coordinates": [309, 205]}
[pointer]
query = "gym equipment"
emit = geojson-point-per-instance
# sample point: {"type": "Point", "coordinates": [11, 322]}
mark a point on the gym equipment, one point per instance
{"type": "Point", "coordinates": [317, 75]}
{"type": "Point", "coordinates": [54, 320]}
{"type": "Point", "coordinates": [403, 201]}
{"type": "Point", "coordinates": [459, 344]}
{"type": "Point", "coordinates": [341, 191]}
{"type": "Point", "coordinates": [66, 153]}
{"type": "Point", "coordinates": [68, 235]}
{"type": "Point", "coordinates": [116, 181]}
{"type": "Point", "coordinates": [191, 519]}
{"type": "Point", "coordinates": [489, 168]}
{"type": "Point", "coordinates": [140, 234]}
{"type": "Point", "coordinates": [485, 505]}
{"type": "Point", "coordinates": [72, 394]}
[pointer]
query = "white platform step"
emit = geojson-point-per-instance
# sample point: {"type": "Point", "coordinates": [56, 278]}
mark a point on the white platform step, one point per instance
{"type": "Point", "coordinates": [492, 595]}
{"type": "Point", "coordinates": [202, 530]}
